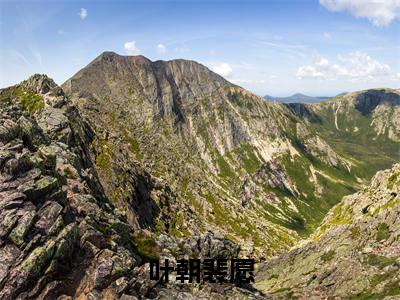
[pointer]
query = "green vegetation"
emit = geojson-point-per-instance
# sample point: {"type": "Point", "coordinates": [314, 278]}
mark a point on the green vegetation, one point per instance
{"type": "Point", "coordinates": [247, 155]}
{"type": "Point", "coordinates": [370, 151]}
{"type": "Point", "coordinates": [391, 203]}
{"type": "Point", "coordinates": [103, 159]}
{"type": "Point", "coordinates": [392, 181]}
{"type": "Point", "coordinates": [146, 246]}
{"type": "Point", "coordinates": [355, 232]}
{"type": "Point", "coordinates": [327, 256]}
{"type": "Point", "coordinates": [176, 227]}
{"type": "Point", "coordinates": [134, 147]}
{"type": "Point", "coordinates": [340, 215]}
{"type": "Point", "coordinates": [31, 102]}
{"type": "Point", "coordinates": [380, 261]}
{"type": "Point", "coordinates": [194, 203]}
{"type": "Point", "coordinates": [224, 168]}
{"type": "Point", "coordinates": [390, 288]}
{"type": "Point", "coordinates": [240, 100]}
{"type": "Point", "coordinates": [158, 227]}
{"type": "Point", "coordinates": [382, 232]}
{"type": "Point", "coordinates": [241, 226]}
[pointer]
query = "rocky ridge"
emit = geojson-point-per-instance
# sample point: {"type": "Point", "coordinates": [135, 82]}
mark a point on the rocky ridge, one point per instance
{"type": "Point", "coordinates": [354, 254]}
{"type": "Point", "coordinates": [60, 236]}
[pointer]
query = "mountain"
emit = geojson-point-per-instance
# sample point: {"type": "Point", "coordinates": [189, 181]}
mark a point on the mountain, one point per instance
{"type": "Point", "coordinates": [354, 254]}
{"type": "Point", "coordinates": [363, 126]}
{"type": "Point", "coordinates": [132, 160]}
{"type": "Point", "coordinates": [233, 162]}
{"type": "Point", "coordinates": [61, 237]}
{"type": "Point", "coordinates": [297, 98]}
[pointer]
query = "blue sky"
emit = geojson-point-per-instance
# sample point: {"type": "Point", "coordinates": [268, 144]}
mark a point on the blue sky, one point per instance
{"type": "Point", "coordinates": [269, 47]}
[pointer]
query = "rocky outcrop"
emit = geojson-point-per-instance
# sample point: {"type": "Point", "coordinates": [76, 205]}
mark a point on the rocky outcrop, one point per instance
{"type": "Point", "coordinates": [354, 253]}
{"type": "Point", "coordinates": [368, 101]}
{"type": "Point", "coordinates": [54, 214]}
{"type": "Point", "coordinates": [60, 235]}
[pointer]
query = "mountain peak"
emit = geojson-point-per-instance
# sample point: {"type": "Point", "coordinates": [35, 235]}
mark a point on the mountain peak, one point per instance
{"type": "Point", "coordinates": [41, 84]}
{"type": "Point", "coordinates": [110, 56]}
{"type": "Point", "coordinates": [118, 75]}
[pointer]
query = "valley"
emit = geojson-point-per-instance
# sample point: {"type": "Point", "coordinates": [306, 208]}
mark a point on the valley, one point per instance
{"type": "Point", "coordinates": [132, 159]}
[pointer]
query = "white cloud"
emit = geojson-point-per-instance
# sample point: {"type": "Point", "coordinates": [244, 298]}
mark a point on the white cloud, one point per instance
{"type": "Point", "coordinates": [327, 35]}
{"type": "Point", "coordinates": [83, 13]}
{"type": "Point", "coordinates": [379, 12]}
{"type": "Point", "coordinates": [355, 65]}
{"type": "Point", "coordinates": [131, 49]}
{"type": "Point", "coordinates": [221, 68]}
{"type": "Point", "coordinates": [161, 48]}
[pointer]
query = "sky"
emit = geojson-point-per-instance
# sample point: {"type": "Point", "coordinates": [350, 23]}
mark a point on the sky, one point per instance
{"type": "Point", "coordinates": [282, 47]}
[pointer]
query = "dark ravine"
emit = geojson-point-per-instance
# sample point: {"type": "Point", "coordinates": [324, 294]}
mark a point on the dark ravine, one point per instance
{"type": "Point", "coordinates": [132, 160]}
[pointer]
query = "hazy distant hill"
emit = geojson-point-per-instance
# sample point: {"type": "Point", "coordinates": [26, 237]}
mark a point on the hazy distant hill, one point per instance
{"type": "Point", "coordinates": [298, 98]}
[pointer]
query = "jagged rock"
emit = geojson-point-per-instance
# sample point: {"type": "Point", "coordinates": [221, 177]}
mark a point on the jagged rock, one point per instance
{"type": "Point", "coordinates": [352, 253]}
{"type": "Point", "coordinates": [214, 245]}
{"type": "Point", "coordinates": [8, 130]}
{"type": "Point", "coordinates": [35, 190]}
{"type": "Point", "coordinates": [48, 156]}
{"type": "Point", "coordinates": [18, 234]}
{"type": "Point", "coordinates": [104, 270]}
{"type": "Point", "coordinates": [48, 215]}
{"type": "Point", "coordinates": [8, 221]}
{"type": "Point", "coordinates": [274, 175]}
{"type": "Point", "coordinates": [8, 255]}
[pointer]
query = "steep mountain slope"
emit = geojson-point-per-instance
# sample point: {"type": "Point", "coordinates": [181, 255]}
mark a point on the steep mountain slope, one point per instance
{"type": "Point", "coordinates": [363, 126]}
{"type": "Point", "coordinates": [52, 205]}
{"type": "Point", "coordinates": [259, 172]}
{"type": "Point", "coordinates": [60, 235]}
{"type": "Point", "coordinates": [138, 160]}
{"type": "Point", "coordinates": [354, 254]}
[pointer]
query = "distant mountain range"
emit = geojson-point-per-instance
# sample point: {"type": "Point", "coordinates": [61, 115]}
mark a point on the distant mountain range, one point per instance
{"type": "Point", "coordinates": [299, 98]}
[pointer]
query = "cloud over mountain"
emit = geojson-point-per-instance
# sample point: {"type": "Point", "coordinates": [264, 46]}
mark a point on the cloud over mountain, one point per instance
{"type": "Point", "coordinates": [161, 48]}
{"type": "Point", "coordinates": [131, 49]}
{"type": "Point", "coordinates": [221, 68]}
{"type": "Point", "coordinates": [354, 65]}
